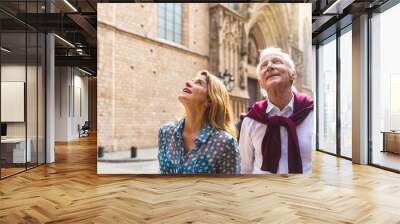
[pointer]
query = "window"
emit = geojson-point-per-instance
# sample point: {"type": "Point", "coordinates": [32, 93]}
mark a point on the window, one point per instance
{"type": "Point", "coordinates": [170, 21]}
{"type": "Point", "coordinates": [334, 131]}
{"type": "Point", "coordinates": [327, 95]}
{"type": "Point", "coordinates": [346, 92]}
{"type": "Point", "coordinates": [22, 78]}
{"type": "Point", "coordinates": [385, 89]}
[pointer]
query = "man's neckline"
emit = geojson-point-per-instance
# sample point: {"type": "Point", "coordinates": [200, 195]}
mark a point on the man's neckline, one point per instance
{"type": "Point", "coordinates": [271, 106]}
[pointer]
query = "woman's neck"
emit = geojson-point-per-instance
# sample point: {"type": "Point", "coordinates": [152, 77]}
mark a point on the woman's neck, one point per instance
{"type": "Point", "coordinates": [194, 121]}
{"type": "Point", "coordinates": [280, 98]}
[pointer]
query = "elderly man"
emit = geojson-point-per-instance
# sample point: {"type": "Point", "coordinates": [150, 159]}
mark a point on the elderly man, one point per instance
{"type": "Point", "coordinates": [276, 134]}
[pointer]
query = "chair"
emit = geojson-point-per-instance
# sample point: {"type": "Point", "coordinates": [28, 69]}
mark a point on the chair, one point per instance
{"type": "Point", "coordinates": [84, 130]}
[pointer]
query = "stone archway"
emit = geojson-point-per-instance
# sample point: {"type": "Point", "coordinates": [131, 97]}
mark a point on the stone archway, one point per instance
{"type": "Point", "coordinates": [256, 42]}
{"type": "Point", "coordinates": [272, 23]}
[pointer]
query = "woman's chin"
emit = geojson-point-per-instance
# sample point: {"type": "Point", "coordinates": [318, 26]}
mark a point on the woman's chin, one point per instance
{"type": "Point", "coordinates": [182, 97]}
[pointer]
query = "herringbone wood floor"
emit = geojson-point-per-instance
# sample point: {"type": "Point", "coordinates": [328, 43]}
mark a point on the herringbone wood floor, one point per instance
{"type": "Point", "coordinates": [70, 191]}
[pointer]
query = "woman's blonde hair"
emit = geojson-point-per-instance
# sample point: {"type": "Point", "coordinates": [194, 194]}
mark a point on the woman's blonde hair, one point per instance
{"type": "Point", "coordinates": [219, 113]}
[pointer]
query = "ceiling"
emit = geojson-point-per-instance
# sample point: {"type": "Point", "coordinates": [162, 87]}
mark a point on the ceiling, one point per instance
{"type": "Point", "coordinates": [332, 15]}
{"type": "Point", "coordinates": [73, 21]}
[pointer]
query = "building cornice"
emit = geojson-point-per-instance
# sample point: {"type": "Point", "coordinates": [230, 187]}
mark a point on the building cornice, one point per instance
{"type": "Point", "coordinates": [157, 41]}
{"type": "Point", "coordinates": [215, 6]}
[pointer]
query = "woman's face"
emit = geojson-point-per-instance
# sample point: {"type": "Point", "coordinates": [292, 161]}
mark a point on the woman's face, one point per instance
{"type": "Point", "coordinates": [194, 93]}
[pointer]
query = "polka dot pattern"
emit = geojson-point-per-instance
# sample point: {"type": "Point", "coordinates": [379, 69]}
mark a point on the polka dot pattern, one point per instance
{"type": "Point", "coordinates": [215, 151]}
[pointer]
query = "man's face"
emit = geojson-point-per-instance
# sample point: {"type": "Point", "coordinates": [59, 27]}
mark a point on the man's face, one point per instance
{"type": "Point", "coordinates": [275, 73]}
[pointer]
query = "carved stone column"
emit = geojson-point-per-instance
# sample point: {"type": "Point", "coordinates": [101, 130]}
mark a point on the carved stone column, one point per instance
{"type": "Point", "coordinates": [226, 40]}
{"type": "Point", "coordinates": [228, 50]}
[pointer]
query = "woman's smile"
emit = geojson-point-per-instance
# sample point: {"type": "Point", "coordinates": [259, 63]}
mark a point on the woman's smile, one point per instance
{"type": "Point", "coordinates": [186, 90]}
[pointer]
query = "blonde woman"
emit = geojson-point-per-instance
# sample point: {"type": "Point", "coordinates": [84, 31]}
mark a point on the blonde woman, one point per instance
{"type": "Point", "coordinates": [203, 141]}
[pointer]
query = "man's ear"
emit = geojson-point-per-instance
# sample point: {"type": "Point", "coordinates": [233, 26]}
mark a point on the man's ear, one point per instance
{"type": "Point", "coordinates": [293, 75]}
{"type": "Point", "coordinates": [260, 83]}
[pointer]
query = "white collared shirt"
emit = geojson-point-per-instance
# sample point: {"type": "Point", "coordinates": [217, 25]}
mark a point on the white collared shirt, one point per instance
{"type": "Point", "coordinates": [252, 133]}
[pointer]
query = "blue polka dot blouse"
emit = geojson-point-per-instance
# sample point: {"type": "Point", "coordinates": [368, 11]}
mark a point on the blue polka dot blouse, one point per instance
{"type": "Point", "coordinates": [215, 151]}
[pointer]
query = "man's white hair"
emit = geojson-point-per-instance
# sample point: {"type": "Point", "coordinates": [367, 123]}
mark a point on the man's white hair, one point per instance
{"type": "Point", "coordinates": [273, 50]}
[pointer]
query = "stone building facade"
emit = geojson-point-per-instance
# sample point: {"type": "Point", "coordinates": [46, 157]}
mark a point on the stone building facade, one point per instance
{"type": "Point", "coordinates": [140, 73]}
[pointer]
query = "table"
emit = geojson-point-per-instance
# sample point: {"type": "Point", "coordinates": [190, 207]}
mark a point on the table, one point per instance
{"type": "Point", "coordinates": [15, 148]}
{"type": "Point", "coordinates": [391, 141]}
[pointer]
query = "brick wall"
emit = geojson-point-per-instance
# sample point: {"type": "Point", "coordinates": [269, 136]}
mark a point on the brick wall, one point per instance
{"type": "Point", "coordinates": [139, 75]}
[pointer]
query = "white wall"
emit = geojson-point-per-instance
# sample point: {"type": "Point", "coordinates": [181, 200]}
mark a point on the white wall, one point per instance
{"type": "Point", "coordinates": [16, 72]}
{"type": "Point", "coordinates": [12, 100]}
{"type": "Point", "coordinates": [9, 73]}
{"type": "Point", "coordinates": [70, 84]}
{"type": "Point", "coordinates": [61, 103]}
{"type": "Point", "coordinates": [33, 126]}
{"type": "Point", "coordinates": [79, 117]}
